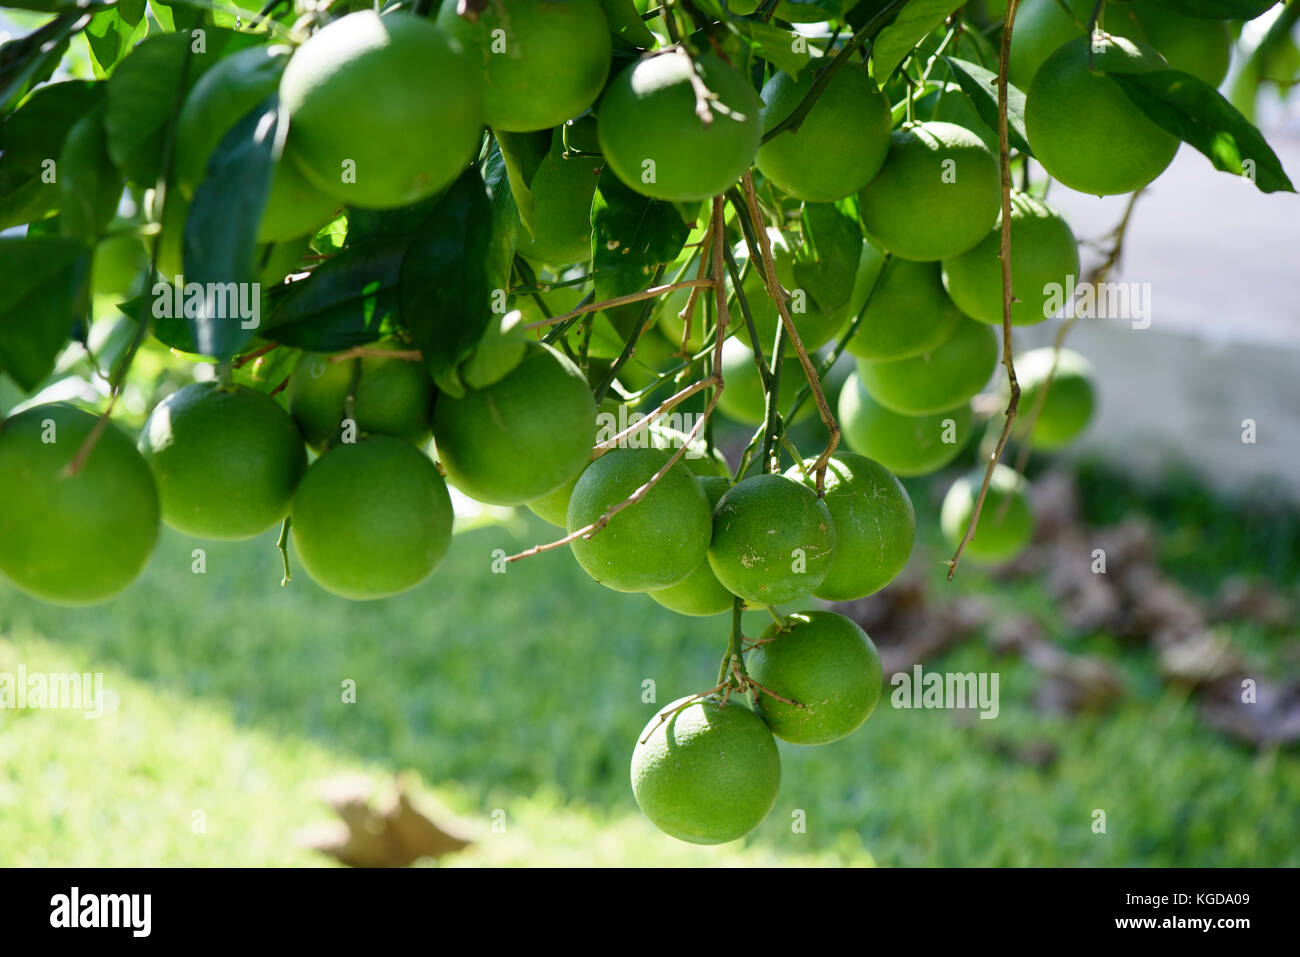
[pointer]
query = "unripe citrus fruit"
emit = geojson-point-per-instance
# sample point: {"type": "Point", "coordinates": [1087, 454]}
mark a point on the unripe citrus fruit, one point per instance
{"type": "Point", "coordinates": [952, 105]}
{"type": "Point", "coordinates": [1195, 45]}
{"type": "Point", "coordinates": [1044, 253]}
{"type": "Point", "coordinates": [700, 593]}
{"type": "Point", "coordinates": [371, 519]}
{"type": "Point", "coordinates": [743, 399]}
{"type": "Point", "coordinates": [874, 525]}
{"type": "Point", "coordinates": [908, 313]}
{"type": "Point", "coordinates": [773, 540]}
{"type": "Point", "coordinates": [521, 437]}
{"type": "Point", "coordinates": [1069, 402]}
{"type": "Point", "coordinates": [553, 507]}
{"type": "Point", "coordinates": [825, 663]}
{"type": "Point", "coordinates": [839, 146]}
{"type": "Point", "coordinates": [391, 397]}
{"type": "Point", "coordinates": [1043, 27]}
{"type": "Point", "coordinates": [120, 260]}
{"type": "Point", "coordinates": [937, 194]}
{"type": "Point", "coordinates": [381, 149]}
{"type": "Point", "coordinates": [543, 62]}
{"type": "Point", "coordinates": [72, 539]}
{"type": "Point", "coordinates": [221, 98]}
{"type": "Point", "coordinates": [1003, 529]}
{"type": "Point", "coordinates": [1084, 129]}
{"type": "Point", "coordinates": [707, 774]}
{"type": "Point", "coordinates": [794, 11]}
{"type": "Point", "coordinates": [904, 444]}
{"type": "Point", "coordinates": [659, 146]}
{"type": "Point", "coordinates": [226, 460]}
{"type": "Point", "coordinates": [652, 544]}
{"type": "Point", "coordinates": [696, 457]}
{"type": "Point", "coordinates": [942, 379]}
{"type": "Point", "coordinates": [562, 190]}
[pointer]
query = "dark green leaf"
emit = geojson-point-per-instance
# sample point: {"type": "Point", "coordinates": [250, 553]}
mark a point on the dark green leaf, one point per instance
{"type": "Point", "coordinates": [1198, 114]}
{"type": "Point", "coordinates": [221, 227]}
{"type": "Point", "coordinates": [981, 86]}
{"type": "Point", "coordinates": [784, 49]}
{"type": "Point", "coordinates": [30, 60]}
{"type": "Point", "coordinates": [1218, 9]}
{"type": "Point", "coordinates": [826, 264]}
{"type": "Point", "coordinates": [626, 22]}
{"type": "Point", "coordinates": [30, 142]}
{"type": "Point", "coordinates": [896, 41]}
{"type": "Point", "coordinates": [111, 37]}
{"type": "Point", "coordinates": [632, 235]}
{"type": "Point", "coordinates": [349, 300]}
{"type": "Point", "coordinates": [43, 292]}
{"type": "Point", "coordinates": [445, 297]}
{"type": "Point", "coordinates": [505, 221]}
{"type": "Point", "coordinates": [523, 154]}
{"type": "Point", "coordinates": [90, 187]}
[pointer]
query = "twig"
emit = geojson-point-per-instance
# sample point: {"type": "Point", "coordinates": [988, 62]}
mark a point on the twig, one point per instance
{"type": "Point", "coordinates": [283, 545]}
{"type": "Point", "coordinates": [631, 297]}
{"type": "Point", "coordinates": [663, 408]}
{"type": "Point", "coordinates": [1008, 296]}
{"type": "Point", "coordinates": [366, 352]}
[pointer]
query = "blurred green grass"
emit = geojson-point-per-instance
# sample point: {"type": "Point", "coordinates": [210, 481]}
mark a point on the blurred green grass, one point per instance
{"type": "Point", "coordinates": [523, 692]}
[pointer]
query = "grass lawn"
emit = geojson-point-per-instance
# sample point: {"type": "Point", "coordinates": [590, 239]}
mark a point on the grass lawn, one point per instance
{"type": "Point", "coordinates": [521, 694]}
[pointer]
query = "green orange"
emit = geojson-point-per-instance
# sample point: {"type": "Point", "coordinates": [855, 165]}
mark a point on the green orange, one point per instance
{"type": "Point", "coordinates": [651, 544]}
{"type": "Point", "coordinates": [874, 524]}
{"type": "Point", "coordinates": [905, 444]}
{"type": "Point", "coordinates": [72, 539]}
{"type": "Point", "coordinates": [773, 540]}
{"type": "Point", "coordinates": [226, 459]}
{"type": "Point", "coordinates": [941, 379]}
{"type": "Point", "coordinates": [705, 773]}
{"type": "Point", "coordinates": [700, 593]}
{"type": "Point", "coordinates": [908, 314]}
{"type": "Point", "coordinates": [1064, 412]}
{"type": "Point", "coordinates": [521, 437]}
{"type": "Point", "coordinates": [371, 519]}
{"type": "Point", "coordinates": [827, 666]}
{"type": "Point", "coordinates": [1006, 522]}
{"type": "Point", "coordinates": [562, 189]}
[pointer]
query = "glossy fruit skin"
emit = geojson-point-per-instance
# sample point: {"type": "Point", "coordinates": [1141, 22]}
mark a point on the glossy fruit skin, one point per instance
{"type": "Point", "coordinates": [648, 116]}
{"type": "Point", "coordinates": [743, 399]}
{"type": "Point", "coordinates": [840, 145]}
{"type": "Point", "coordinates": [562, 191]}
{"type": "Point", "coordinates": [371, 519]}
{"type": "Point", "coordinates": [404, 147]}
{"type": "Point", "coordinates": [827, 664]}
{"type": "Point", "coordinates": [942, 379]}
{"type": "Point", "coordinates": [226, 460]}
{"type": "Point", "coordinates": [908, 314]}
{"type": "Point", "coordinates": [998, 537]}
{"type": "Point", "coordinates": [1084, 129]}
{"type": "Point", "coordinates": [814, 326]}
{"type": "Point", "coordinates": [1043, 27]}
{"type": "Point", "coordinates": [554, 62]}
{"type": "Point", "coordinates": [699, 594]}
{"type": "Point", "coordinates": [72, 540]}
{"type": "Point", "coordinates": [936, 196]}
{"type": "Point", "coordinates": [521, 437]}
{"type": "Point", "coordinates": [906, 445]}
{"type": "Point", "coordinates": [651, 545]}
{"type": "Point", "coordinates": [1195, 45]}
{"type": "Point", "coordinates": [773, 540]}
{"type": "Point", "coordinates": [1070, 400]}
{"type": "Point", "coordinates": [875, 525]}
{"type": "Point", "coordinates": [707, 775]}
{"type": "Point", "coordinates": [221, 98]}
{"type": "Point", "coordinates": [392, 397]}
{"type": "Point", "coordinates": [553, 507]}
{"type": "Point", "coordinates": [1046, 253]}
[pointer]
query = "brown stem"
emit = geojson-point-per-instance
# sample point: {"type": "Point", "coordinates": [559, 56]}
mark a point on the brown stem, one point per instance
{"type": "Point", "coordinates": [664, 407]}
{"type": "Point", "coordinates": [641, 296]}
{"type": "Point", "coordinates": [406, 355]}
{"type": "Point", "coordinates": [1008, 295]}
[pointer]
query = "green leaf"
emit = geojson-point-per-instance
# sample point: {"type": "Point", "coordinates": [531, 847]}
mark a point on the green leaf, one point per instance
{"type": "Point", "coordinates": [30, 143]}
{"type": "Point", "coordinates": [981, 86]}
{"type": "Point", "coordinates": [1218, 9]}
{"type": "Point", "coordinates": [90, 187]}
{"type": "Point", "coordinates": [632, 235]}
{"type": "Point", "coordinates": [30, 60]}
{"type": "Point", "coordinates": [625, 22]}
{"type": "Point", "coordinates": [221, 227]}
{"type": "Point", "coordinates": [896, 41]}
{"type": "Point", "coordinates": [826, 264]}
{"type": "Point", "coordinates": [1198, 114]}
{"type": "Point", "coordinates": [523, 154]}
{"type": "Point", "coordinates": [111, 37]}
{"type": "Point", "coordinates": [44, 289]}
{"type": "Point", "coordinates": [445, 297]}
{"type": "Point", "coordinates": [505, 221]}
{"type": "Point", "coordinates": [349, 300]}
{"type": "Point", "coordinates": [784, 49]}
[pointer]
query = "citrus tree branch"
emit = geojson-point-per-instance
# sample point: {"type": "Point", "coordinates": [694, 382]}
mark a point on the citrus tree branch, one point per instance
{"type": "Point", "coordinates": [1008, 295]}
{"type": "Point", "coordinates": [651, 293]}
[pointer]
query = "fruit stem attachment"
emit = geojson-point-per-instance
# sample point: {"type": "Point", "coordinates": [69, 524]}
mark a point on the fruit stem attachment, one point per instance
{"type": "Point", "coordinates": [1008, 295]}
{"type": "Point", "coordinates": [733, 662]}
{"type": "Point", "coordinates": [282, 543]}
